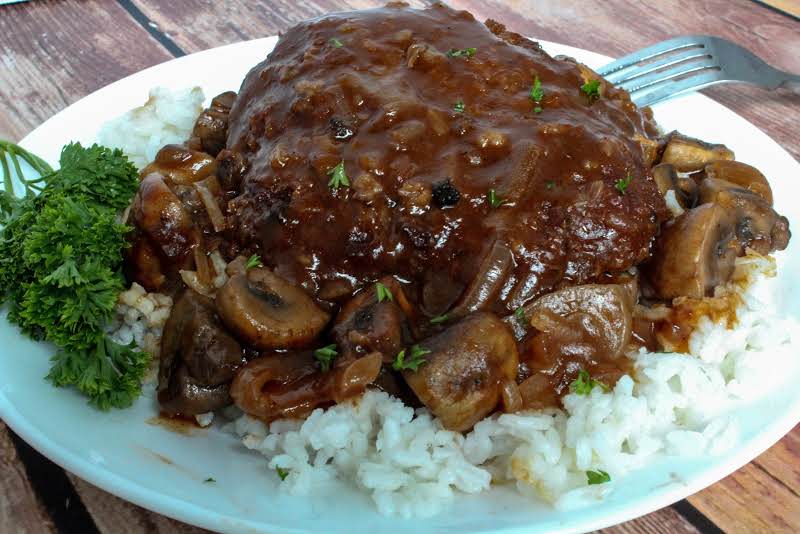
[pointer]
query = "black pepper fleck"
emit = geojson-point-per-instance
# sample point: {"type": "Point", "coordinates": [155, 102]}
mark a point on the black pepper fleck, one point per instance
{"type": "Point", "coordinates": [445, 194]}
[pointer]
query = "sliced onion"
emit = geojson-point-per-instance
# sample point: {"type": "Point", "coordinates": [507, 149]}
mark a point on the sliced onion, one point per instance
{"type": "Point", "coordinates": [191, 279]}
{"type": "Point", "coordinates": [212, 207]}
{"type": "Point", "coordinates": [486, 285]}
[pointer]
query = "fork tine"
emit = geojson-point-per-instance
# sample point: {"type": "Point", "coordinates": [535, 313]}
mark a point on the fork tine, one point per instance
{"type": "Point", "coordinates": [623, 75]}
{"type": "Point", "coordinates": [651, 52]}
{"type": "Point", "coordinates": [667, 89]}
{"type": "Point", "coordinates": [646, 80]}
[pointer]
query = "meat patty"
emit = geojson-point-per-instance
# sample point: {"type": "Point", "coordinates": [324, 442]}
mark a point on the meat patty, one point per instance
{"type": "Point", "coordinates": [460, 175]}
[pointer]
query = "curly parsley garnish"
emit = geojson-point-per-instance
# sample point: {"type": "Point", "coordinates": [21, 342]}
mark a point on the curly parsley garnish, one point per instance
{"type": "Point", "coordinates": [597, 477]}
{"type": "Point", "coordinates": [537, 94]}
{"type": "Point", "coordinates": [584, 384]}
{"type": "Point", "coordinates": [336, 43]}
{"type": "Point", "coordinates": [591, 89]}
{"type": "Point", "coordinates": [60, 269]}
{"type": "Point", "coordinates": [338, 177]}
{"type": "Point", "coordinates": [414, 361]}
{"type": "Point", "coordinates": [439, 319]}
{"type": "Point", "coordinates": [464, 52]}
{"type": "Point", "coordinates": [253, 262]}
{"type": "Point", "coordinates": [622, 184]}
{"type": "Point", "coordinates": [383, 292]}
{"type": "Point", "coordinates": [494, 200]}
{"type": "Point", "coordinates": [519, 315]}
{"type": "Point", "coordinates": [282, 473]}
{"type": "Point", "coordinates": [325, 356]}
{"type": "Point", "coordinates": [459, 106]}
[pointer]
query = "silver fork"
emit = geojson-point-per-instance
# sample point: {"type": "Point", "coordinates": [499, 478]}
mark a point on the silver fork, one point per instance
{"type": "Point", "coordinates": [690, 63]}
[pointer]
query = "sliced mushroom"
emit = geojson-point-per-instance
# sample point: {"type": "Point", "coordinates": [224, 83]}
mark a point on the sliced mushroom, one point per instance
{"type": "Point", "coordinates": [291, 385]}
{"type": "Point", "coordinates": [677, 198]}
{"type": "Point", "coordinates": [365, 325]}
{"type": "Point", "coordinates": [198, 358]}
{"type": "Point", "coordinates": [688, 154]}
{"type": "Point", "coordinates": [464, 376]}
{"type": "Point", "coordinates": [182, 165]}
{"type": "Point", "coordinates": [741, 175]}
{"type": "Point", "coordinates": [695, 253]}
{"type": "Point", "coordinates": [267, 312]}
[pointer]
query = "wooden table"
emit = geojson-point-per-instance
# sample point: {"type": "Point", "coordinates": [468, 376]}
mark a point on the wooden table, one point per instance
{"type": "Point", "coordinates": [53, 53]}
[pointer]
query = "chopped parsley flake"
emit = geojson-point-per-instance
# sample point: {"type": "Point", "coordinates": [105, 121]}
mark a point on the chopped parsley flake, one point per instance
{"type": "Point", "coordinates": [283, 473]}
{"type": "Point", "coordinates": [414, 360]}
{"type": "Point", "coordinates": [383, 292]}
{"type": "Point", "coordinates": [209, 480]}
{"type": "Point", "coordinates": [325, 356]}
{"type": "Point", "coordinates": [464, 52]}
{"type": "Point", "coordinates": [550, 184]}
{"type": "Point", "coordinates": [253, 261]}
{"type": "Point", "coordinates": [459, 106]}
{"type": "Point", "coordinates": [494, 200]}
{"type": "Point", "coordinates": [338, 177]}
{"type": "Point", "coordinates": [597, 477]}
{"type": "Point", "coordinates": [584, 384]}
{"type": "Point", "coordinates": [537, 94]}
{"type": "Point", "coordinates": [622, 185]}
{"type": "Point", "coordinates": [439, 319]}
{"type": "Point", "coordinates": [592, 89]}
{"type": "Point", "coordinates": [336, 43]}
{"type": "Point", "coordinates": [519, 314]}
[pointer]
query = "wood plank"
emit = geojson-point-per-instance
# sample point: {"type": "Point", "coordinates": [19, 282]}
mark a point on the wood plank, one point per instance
{"type": "Point", "coordinates": [113, 515]}
{"type": "Point", "coordinates": [220, 23]}
{"type": "Point", "coordinates": [53, 53]}
{"type": "Point", "coordinates": [20, 510]}
{"type": "Point", "coordinates": [596, 26]}
{"type": "Point", "coordinates": [792, 7]}
{"type": "Point", "coordinates": [750, 501]}
{"type": "Point", "coordinates": [782, 461]}
{"type": "Point", "coordinates": [664, 520]}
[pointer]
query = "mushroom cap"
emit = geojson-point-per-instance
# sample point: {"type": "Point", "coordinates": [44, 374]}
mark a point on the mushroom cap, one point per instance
{"type": "Point", "coordinates": [741, 175]}
{"type": "Point", "coordinates": [267, 312]}
{"type": "Point", "coordinates": [695, 253]}
{"type": "Point", "coordinates": [463, 377]}
{"type": "Point", "coordinates": [688, 154]}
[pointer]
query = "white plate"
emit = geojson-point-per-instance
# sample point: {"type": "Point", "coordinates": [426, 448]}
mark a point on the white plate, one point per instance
{"type": "Point", "coordinates": [164, 471]}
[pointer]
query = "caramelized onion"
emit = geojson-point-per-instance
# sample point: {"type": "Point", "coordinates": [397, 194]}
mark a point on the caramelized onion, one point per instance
{"type": "Point", "coordinates": [291, 385]}
{"type": "Point", "coordinates": [211, 205]}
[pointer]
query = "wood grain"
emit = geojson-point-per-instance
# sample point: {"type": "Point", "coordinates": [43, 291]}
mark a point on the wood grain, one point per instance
{"type": "Point", "coordinates": [113, 515]}
{"type": "Point", "coordinates": [53, 53]}
{"type": "Point", "coordinates": [20, 510]}
{"type": "Point", "coordinates": [218, 23]}
{"type": "Point", "coordinates": [664, 520]}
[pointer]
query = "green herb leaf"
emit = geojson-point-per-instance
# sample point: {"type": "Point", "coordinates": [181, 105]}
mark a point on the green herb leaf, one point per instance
{"type": "Point", "coordinates": [209, 480]}
{"type": "Point", "coordinates": [383, 292]}
{"type": "Point", "coordinates": [591, 89]}
{"type": "Point", "coordinates": [282, 473]}
{"type": "Point", "coordinates": [622, 184]}
{"type": "Point", "coordinates": [415, 360]}
{"type": "Point", "coordinates": [60, 259]}
{"type": "Point", "coordinates": [439, 319]}
{"type": "Point", "coordinates": [494, 200]}
{"type": "Point", "coordinates": [338, 177]}
{"type": "Point", "coordinates": [459, 106]}
{"type": "Point", "coordinates": [336, 43]}
{"type": "Point", "coordinates": [325, 356]}
{"type": "Point", "coordinates": [519, 314]}
{"type": "Point", "coordinates": [537, 94]}
{"type": "Point", "coordinates": [464, 52]}
{"type": "Point", "coordinates": [252, 262]}
{"type": "Point", "coordinates": [550, 184]}
{"type": "Point", "coordinates": [597, 477]}
{"type": "Point", "coordinates": [584, 384]}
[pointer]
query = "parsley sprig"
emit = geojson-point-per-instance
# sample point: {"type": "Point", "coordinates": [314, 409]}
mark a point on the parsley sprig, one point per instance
{"type": "Point", "coordinates": [459, 106]}
{"type": "Point", "coordinates": [623, 183]}
{"type": "Point", "coordinates": [325, 356]}
{"type": "Point", "coordinates": [414, 361]}
{"type": "Point", "coordinates": [591, 89]}
{"type": "Point", "coordinates": [597, 477]}
{"type": "Point", "coordinates": [584, 384]}
{"type": "Point", "coordinates": [336, 43]}
{"type": "Point", "coordinates": [253, 262]}
{"type": "Point", "coordinates": [439, 319]}
{"type": "Point", "coordinates": [338, 177]}
{"type": "Point", "coordinates": [537, 94]}
{"type": "Point", "coordinates": [383, 292]}
{"type": "Point", "coordinates": [463, 52]}
{"type": "Point", "coordinates": [282, 473]}
{"type": "Point", "coordinates": [494, 200]}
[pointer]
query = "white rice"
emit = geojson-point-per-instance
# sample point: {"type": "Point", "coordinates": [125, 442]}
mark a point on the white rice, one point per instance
{"type": "Point", "coordinates": [166, 118]}
{"type": "Point", "coordinates": [674, 404]}
{"type": "Point", "coordinates": [678, 404]}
